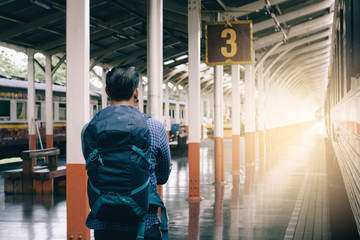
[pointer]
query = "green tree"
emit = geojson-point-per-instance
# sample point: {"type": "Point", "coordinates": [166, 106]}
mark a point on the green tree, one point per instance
{"type": "Point", "coordinates": [59, 76]}
{"type": "Point", "coordinates": [9, 67]}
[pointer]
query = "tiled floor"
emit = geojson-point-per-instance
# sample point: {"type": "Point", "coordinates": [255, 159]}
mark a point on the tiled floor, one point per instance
{"type": "Point", "coordinates": [287, 200]}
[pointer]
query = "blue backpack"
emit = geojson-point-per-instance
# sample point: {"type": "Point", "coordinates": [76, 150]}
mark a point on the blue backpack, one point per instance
{"type": "Point", "coordinates": [115, 145]}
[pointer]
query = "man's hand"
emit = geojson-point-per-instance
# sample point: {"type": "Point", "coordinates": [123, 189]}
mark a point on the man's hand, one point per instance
{"type": "Point", "coordinates": [171, 164]}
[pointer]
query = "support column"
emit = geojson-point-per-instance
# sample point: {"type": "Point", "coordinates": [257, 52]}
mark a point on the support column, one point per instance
{"type": "Point", "coordinates": [77, 113]}
{"type": "Point", "coordinates": [202, 115]}
{"type": "Point", "coordinates": [31, 102]}
{"type": "Point", "coordinates": [261, 111]}
{"type": "Point", "coordinates": [187, 112]}
{"type": "Point", "coordinates": [177, 106]}
{"type": "Point", "coordinates": [194, 31]}
{"type": "Point", "coordinates": [267, 119]}
{"type": "Point", "coordinates": [104, 96]}
{"type": "Point", "coordinates": [167, 114]}
{"type": "Point", "coordinates": [249, 116]}
{"type": "Point", "coordinates": [261, 124]}
{"type": "Point", "coordinates": [155, 61]}
{"type": "Point", "coordinates": [219, 126]}
{"type": "Point", "coordinates": [208, 109]}
{"type": "Point", "coordinates": [235, 71]}
{"type": "Point", "coordinates": [48, 103]}
{"type": "Point", "coordinates": [155, 64]}
{"type": "Point", "coordinates": [273, 115]}
{"type": "Point", "coordinates": [141, 95]}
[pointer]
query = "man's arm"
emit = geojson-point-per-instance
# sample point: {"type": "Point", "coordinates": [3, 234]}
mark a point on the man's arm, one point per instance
{"type": "Point", "coordinates": [162, 169]}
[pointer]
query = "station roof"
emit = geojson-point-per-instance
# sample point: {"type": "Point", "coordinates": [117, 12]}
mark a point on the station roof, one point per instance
{"type": "Point", "coordinates": [291, 37]}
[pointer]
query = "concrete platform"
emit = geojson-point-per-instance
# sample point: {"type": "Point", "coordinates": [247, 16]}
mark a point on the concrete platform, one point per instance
{"type": "Point", "coordinates": [282, 197]}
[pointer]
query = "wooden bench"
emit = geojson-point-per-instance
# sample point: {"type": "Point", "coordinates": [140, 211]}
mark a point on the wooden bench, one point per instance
{"type": "Point", "coordinates": [32, 178]}
{"type": "Point", "coordinates": [13, 181]}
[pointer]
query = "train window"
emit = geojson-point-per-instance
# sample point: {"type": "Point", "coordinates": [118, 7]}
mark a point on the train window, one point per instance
{"type": "Point", "coordinates": [4, 110]}
{"type": "Point", "coordinates": [62, 111]}
{"type": "Point", "coordinates": [21, 110]}
{"type": "Point", "coordinates": [37, 111]}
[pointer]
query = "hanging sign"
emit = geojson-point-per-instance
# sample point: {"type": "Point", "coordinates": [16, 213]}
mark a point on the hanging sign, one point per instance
{"type": "Point", "coordinates": [229, 43]}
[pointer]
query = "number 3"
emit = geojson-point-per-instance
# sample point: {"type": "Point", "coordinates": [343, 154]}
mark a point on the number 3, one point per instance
{"type": "Point", "coordinates": [230, 41]}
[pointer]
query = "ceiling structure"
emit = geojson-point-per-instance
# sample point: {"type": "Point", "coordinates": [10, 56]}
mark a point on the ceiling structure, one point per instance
{"type": "Point", "coordinates": [291, 37]}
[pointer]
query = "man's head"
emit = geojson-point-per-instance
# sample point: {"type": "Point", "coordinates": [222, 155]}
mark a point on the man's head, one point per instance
{"type": "Point", "coordinates": [121, 83]}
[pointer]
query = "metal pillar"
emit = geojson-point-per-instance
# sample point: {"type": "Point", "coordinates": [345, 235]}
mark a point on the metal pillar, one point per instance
{"type": "Point", "coordinates": [155, 56]}
{"type": "Point", "coordinates": [141, 95]}
{"type": "Point", "coordinates": [155, 61]}
{"type": "Point", "coordinates": [77, 113]}
{"type": "Point", "coordinates": [194, 31]}
{"type": "Point", "coordinates": [273, 120]}
{"type": "Point", "coordinates": [167, 114]}
{"type": "Point", "coordinates": [261, 124]}
{"type": "Point", "coordinates": [104, 97]}
{"type": "Point", "coordinates": [219, 126]}
{"type": "Point", "coordinates": [208, 109]}
{"type": "Point", "coordinates": [177, 106]}
{"type": "Point", "coordinates": [31, 102]}
{"type": "Point", "coordinates": [249, 116]}
{"type": "Point", "coordinates": [235, 71]}
{"type": "Point", "coordinates": [187, 112]}
{"type": "Point", "coordinates": [48, 103]}
{"type": "Point", "coordinates": [202, 115]}
{"type": "Point", "coordinates": [267, 119]}
{"type": "Point", "coordinates": [261, 110]}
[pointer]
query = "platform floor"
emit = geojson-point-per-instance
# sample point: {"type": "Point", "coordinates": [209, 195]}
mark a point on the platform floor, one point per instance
{"type": "Point", "coordinates": [282, 197]}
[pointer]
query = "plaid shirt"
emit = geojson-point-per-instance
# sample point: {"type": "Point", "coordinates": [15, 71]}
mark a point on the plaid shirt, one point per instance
{"type": "Point", "coordinates": [160, 168]}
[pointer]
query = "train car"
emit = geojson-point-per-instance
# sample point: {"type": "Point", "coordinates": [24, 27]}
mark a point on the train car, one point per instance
{"type": "Point", "coordinates": [342, 100]}
{"type": "Point", "coordinates": [13, 110]}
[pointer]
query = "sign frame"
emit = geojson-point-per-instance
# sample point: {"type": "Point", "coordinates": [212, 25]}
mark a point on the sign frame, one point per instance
{"type": "Point", "coordinates": [229, 61]}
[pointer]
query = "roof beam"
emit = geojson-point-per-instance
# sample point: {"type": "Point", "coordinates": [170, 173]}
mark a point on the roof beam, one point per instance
{"type": "Point", "coordinates": [38, 22]}
{"type": "Point", "coordinates": [282, 56]}
{"type": "Point", "coordinates": [58, 45]}
{"type": "Point", "coordinates": [293, 15]}
{"type": "Point", "coordinates": [301, 61]}
{"type": "Point", "coordinates": [257, 5]}
{"type": "Point", "coordinates": [279, 68]}
{"type": "Point", "coordinates": [118, 46]}
{"type": "Point", "coordinates": [298, 30]}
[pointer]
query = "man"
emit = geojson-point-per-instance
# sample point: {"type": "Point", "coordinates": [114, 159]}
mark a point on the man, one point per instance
{"type": "Point", "coordinates": [121, 87]}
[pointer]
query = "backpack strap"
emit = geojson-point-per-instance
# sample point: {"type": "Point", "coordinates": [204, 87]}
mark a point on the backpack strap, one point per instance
{"type": "Point", "coordinates": [141, 230]}
{"type": "Point", "coordinates": [94, 156]}
{"type": "Point", "coordinates": [140, 152]}
{"type": "Point", "coordinates": [136, 190]}
{"type": "Point", "coordinates": [154, 199]}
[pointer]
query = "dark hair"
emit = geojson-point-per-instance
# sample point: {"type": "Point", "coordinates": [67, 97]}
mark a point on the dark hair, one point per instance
{"type": "Point", "coordinates": [121, 82]}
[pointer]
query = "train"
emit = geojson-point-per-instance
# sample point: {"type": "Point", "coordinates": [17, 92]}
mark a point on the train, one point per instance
{"type": "Point", "coordinates": [342, 98]}
{"type": "Point", "coordinates": [13, 110]}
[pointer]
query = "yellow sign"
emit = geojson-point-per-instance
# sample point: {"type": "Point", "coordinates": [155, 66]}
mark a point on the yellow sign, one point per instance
{"type": "Point", "coordinates": [229, 43]}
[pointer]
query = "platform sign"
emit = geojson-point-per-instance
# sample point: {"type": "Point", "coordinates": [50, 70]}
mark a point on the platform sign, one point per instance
{"type": "Point", "coordinates": [229, 43]}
